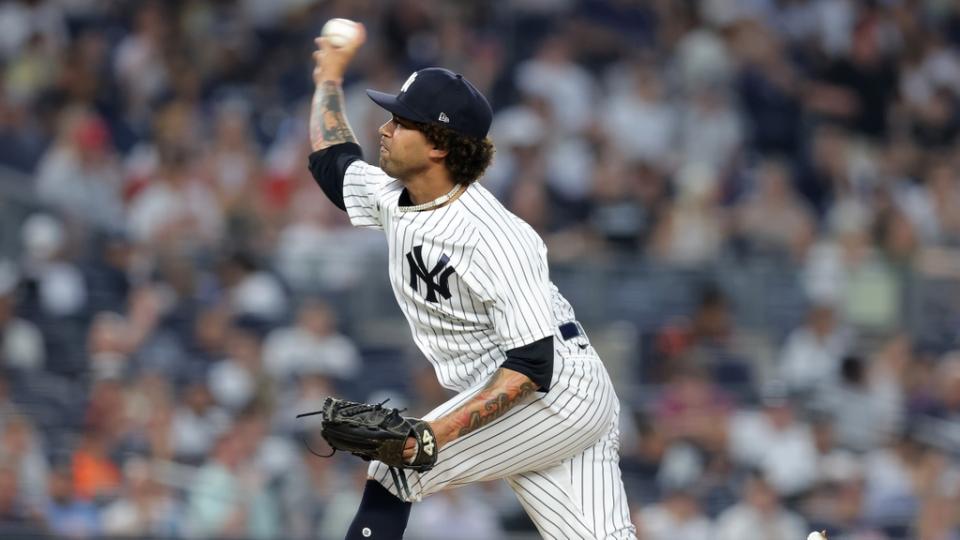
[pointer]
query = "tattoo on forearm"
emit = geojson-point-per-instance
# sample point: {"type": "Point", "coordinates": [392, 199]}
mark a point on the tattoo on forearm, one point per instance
{"type": "Point", "coordinates": [496, 405]}
{"type": "Point", "coordinates": [328, 125]}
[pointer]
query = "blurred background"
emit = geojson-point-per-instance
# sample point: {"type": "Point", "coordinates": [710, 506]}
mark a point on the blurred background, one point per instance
{"type": "Point", "coordinates": [754, 206]}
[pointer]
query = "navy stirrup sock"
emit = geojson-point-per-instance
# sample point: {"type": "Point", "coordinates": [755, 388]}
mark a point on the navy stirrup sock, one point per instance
{"type": "Point", "coordinates": [381, 516]}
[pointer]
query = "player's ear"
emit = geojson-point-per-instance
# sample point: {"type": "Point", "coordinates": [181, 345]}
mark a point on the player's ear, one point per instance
{"type": "Point", "coordinates": [437, 153]}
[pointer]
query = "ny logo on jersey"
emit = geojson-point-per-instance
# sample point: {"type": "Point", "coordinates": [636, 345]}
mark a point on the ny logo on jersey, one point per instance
{"type": "Point", "coordinates": [435, 283]}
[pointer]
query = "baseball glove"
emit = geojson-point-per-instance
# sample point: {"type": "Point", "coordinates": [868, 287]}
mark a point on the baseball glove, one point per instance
{"type": "Point", "coordinates": [374, 432]}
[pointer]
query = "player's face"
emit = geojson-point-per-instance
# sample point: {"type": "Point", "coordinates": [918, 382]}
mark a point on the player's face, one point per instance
{"type": "Point", "coordinates": [403, 149]}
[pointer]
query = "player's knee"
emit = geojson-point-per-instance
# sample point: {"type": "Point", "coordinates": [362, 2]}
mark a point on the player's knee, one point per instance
{"type": "Point", "coordinates": [381, 514]}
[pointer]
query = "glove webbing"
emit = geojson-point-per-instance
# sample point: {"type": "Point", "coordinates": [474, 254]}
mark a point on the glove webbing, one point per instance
{"type": "Point", "coordinates": [349, 410]}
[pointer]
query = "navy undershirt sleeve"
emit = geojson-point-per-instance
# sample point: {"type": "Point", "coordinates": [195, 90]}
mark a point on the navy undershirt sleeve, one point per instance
{"type": "Point", "coordinates": [329, 166]}
{"type": "Point", "coordinates": [535, 360]}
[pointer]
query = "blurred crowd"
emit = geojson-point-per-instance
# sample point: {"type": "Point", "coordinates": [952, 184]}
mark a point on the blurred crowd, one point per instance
{"type": "Point", "coordinates": [177, 288]}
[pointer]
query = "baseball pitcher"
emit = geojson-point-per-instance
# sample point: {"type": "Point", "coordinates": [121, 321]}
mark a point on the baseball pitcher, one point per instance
{"type": "Point", "coordinates": [535, 406]}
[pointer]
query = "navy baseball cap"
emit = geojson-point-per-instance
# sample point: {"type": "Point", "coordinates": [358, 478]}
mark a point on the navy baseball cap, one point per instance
{"type": "Point", "coordinates": [439, 96]}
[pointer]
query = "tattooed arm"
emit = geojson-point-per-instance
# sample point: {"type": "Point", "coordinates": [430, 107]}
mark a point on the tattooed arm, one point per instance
{"type": "Point", "coordinates": [328, 124]}
{"type": "Point", "coordinates": [505, 390]}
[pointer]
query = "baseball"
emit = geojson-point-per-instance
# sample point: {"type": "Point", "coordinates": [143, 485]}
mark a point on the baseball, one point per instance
{"type": "Point", "coordinates": [339, 32]}
{"type": "Point", "coordinates": [817, 536]}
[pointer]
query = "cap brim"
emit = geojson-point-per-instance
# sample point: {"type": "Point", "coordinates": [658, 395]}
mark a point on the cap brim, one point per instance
{"type": "Point", "coordinates": [395, 106]}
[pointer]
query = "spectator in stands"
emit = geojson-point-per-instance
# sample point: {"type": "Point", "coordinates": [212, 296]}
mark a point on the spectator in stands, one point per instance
{"type": "Point", "coordinates": [772, 219]}
{"type": "Point", "coordinates": [148, 418]}
{"type": "Point", "coordinates": [812, 353]}
{"type": "Point", "coordinates": [16, 517]}
{"type": "Point", "coordinates": [928, 204]}
{"type": "Point", "coordinates": [139, 64]}
{"type": "Point", "coordinates": [770, 89]}
{"type": "Point", "coordinates": [637, 118]}
{"type": "Point", "coordinates": [22, 449]}
{"type": "Point", "coordinates": [642, 461]}
{"type": "Point", "coordinates": [693, 230]}
{"type": "Point", "coordinates": [108, 345]}
{"type": "Point", "coordinates": [96, 477]}
{"type": "Point", "coordinates": [677, 516]}
{"type": "Point", "coordinates": [310, 490]}
{"type": "Point", "coordinates": [627, 202]}
{"type": "Point", "coordinates": [7, 408]}
{"type": "Point", "coordinates": [53, 277]}
{"type": "Point", "coordinates": [251, 290]}
{"type": "Point", "coordinates": [109, 271]}
{"type": "Point", "coordinates": [567, 94]}
{"type": "Point", "coordinates": [154, 347]}
{"type": "Point", "coordinates": [712, 341]}
{"type": "Point", "coordinates": [924, 71]}
{"type": "Point", "coordinates": [197, 423]}
{"type": "Point", "coordinates": [207, 341]}
{"type": "Point", "coordinates": [857, 89]}
{"type": "Point", "coordinates": [832, 460]}
{"type": "Point", "coordinates": [774, 441]}
{"type": "Point", "coordinates": [238, 380]}
{"type": "Point", "coordinates": [227, 498]}
{"type": "Point", "coordinates": [21, 344]}
{"type": "Point", "coordinates": [938, 518]}
{"type": "Point", "coordinates": [530, 200]}
{"type": "Point", "coordinates": [824, 171]}
{"type": "Point", "coordinates": [312, 346]}
{"type": "Point", "coordinates": [896, 477]}
{"type": "Point", "coordinates": [866, 402]}
{"type": "Point", "coordinates": [934, 122]}
{"type": "Point", "coordinates": [521, 133]}
{"type": "Point", "coordinates": [70, 514]}
{"type": "Point", "coordinates": [568, 88]}
{"type": "Point", "coordinates": [231, 166]}
{"type": "Point", "coordinates": [940, 418]}
{"type": "Point", "coordinates": [693, 409]}
{"type": "Point", "coordinates": [26, 21]}
{"type": "Point", "coordinates": [316, 250]}
{"type": "Point", "coordinates": [80, 175]}
{"type": "Point", "coordinates": [836, 502]}
{"type": "Point", "coordinates": [31, 69]}
{"type": "Point", "coordinates": [895, 235]}
{"type": "Point", "coordinates": [308, 395]}
{"type": "Point", "coordinates": [176, 211]}
{"type": "Point", "coordinates": [23, 140]}
{"type": "Point", "coordinates": [144, 506]}
{"type": "Point", "coordinates": [710, 129]}
{"type": "Point", "coordinates": [759, 514]}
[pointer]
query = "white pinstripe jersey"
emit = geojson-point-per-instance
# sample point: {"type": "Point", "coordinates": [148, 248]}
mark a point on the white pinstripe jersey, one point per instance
{"type": "Point", "coordinates": [470, 277]}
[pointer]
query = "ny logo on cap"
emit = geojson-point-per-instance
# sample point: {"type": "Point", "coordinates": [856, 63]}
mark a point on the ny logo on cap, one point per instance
{"type": "Point", "coordinates": [407, 84]}
{"type": "Point", "coordinates": [444, 118]}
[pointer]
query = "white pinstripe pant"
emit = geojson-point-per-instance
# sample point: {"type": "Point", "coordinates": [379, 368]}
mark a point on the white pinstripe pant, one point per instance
{"type": "Point", "coordinates": [559, 453]}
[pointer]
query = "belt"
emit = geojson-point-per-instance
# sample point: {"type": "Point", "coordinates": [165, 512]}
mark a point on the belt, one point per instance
{"type": "Point", "coordinates": [571, 330]}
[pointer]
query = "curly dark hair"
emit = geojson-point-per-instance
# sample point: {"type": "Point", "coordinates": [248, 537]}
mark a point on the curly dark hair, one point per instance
{"type": "Point", "coordinates": [467, 157]}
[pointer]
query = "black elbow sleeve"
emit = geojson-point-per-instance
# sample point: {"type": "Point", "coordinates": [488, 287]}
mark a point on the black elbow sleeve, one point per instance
{"type": "Point", "coordinates": [328, 167]}
{"type": "Point", "coordinates": [535, 360]}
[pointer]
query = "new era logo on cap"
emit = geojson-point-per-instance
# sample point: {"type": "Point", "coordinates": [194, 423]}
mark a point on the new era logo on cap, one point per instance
{"type": "Point", "coordinates": [439, 96]}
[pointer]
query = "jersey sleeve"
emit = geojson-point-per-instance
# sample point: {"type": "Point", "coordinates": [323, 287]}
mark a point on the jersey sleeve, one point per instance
{"type": "Point", "coordinates": [512, 279]}
{"type": "Point", "coordinates": [364, 187]}
{"type": "Point", "coordinates": [328, 167]}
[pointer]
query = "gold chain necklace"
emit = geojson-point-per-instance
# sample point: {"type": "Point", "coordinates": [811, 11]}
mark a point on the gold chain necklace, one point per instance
{"type": "Point", "coordinates": [439, 201]}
